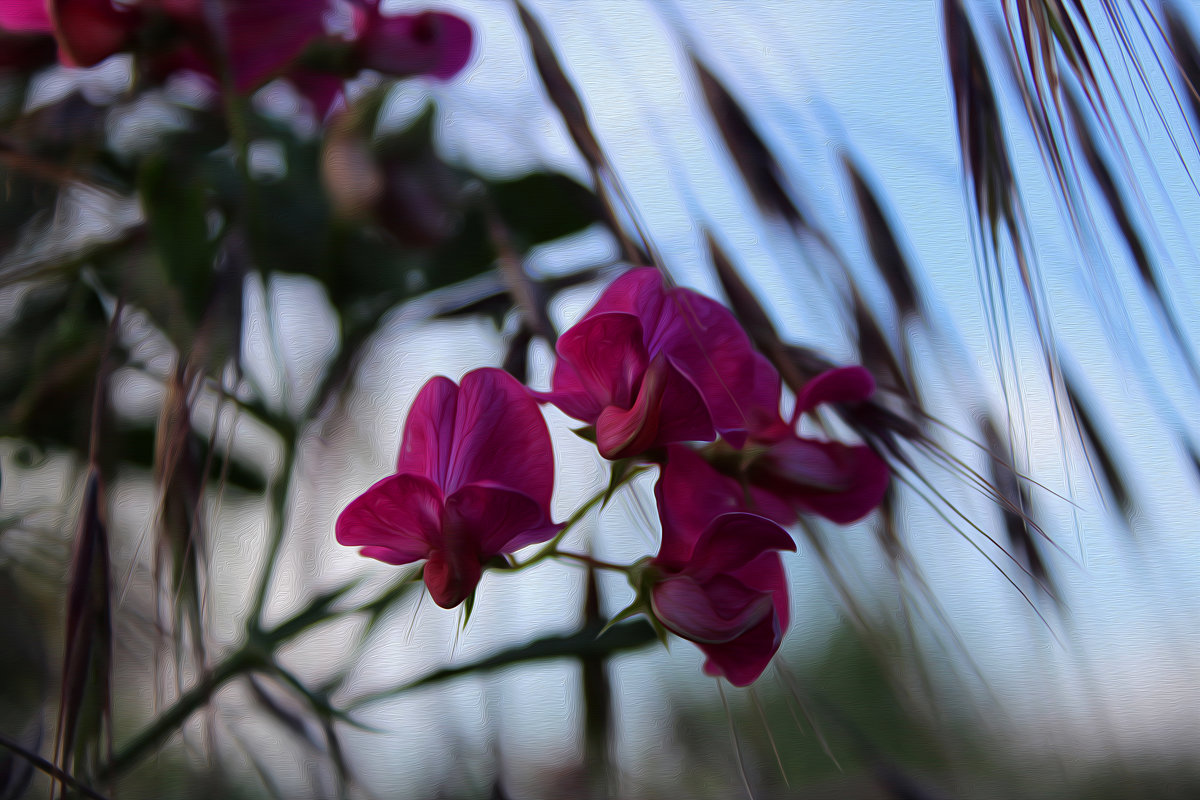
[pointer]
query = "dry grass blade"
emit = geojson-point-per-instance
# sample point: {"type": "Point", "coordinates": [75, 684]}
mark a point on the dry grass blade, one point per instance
{"type": "Point", "coordinates": [530, 302]}
{"type": "Point", "coordinates": [752, 316]}
{"type": "Point", "coordinates": [999, 205]}
{"type": "Point", "coordinates": [181, 547]}
{"type": "Point", "coordinates": [758, 167]}
{"type": "Point", "coordinates": [881, 238]}
{"type": "Point", "coordinates": [1187, 56]}
{"type": "Point", "coordinates": [980, 130]}
{"type": "Point", "coordinates": [1090, 435]}
{"type": "Point", "coordinates": [1112, 196]}
{"type": "Point", "coordinates": [1013, 499]}
{"type": "Point", "coordinates": [877, 354]}
{"type": "Point", "coordinates": [85, 705]}
{"type": "Point", "coordinates": [561, 92]}
{"type": "Point", "coordinates": [796, 364]}
{"type": "Point", "coordinates": [516, 354]}
{"type": "Point", "coordinates": [1134, 240]}
{"type": "Point", "coordinates": [492, 298]}
{"type": "Point", "coordinates": [564, 97]}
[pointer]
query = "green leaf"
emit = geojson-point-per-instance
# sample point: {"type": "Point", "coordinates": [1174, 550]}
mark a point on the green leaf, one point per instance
{"type": "Point", "coordinates": [175, 203]}
{"type": "Point", "coordinates": [316, 612]}
{"type": "Point", "coordinates": [544, 206]}
{"type": "Point", "coordinates": [397, 591]}
{"type": "Point", "coordinates": [620, 638]}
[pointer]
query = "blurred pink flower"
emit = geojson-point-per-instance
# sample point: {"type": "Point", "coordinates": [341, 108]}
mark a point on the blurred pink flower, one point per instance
{"type": "Point", "coordinates": [25, 16]}
{"type": "Point", "coordinates": [720, 581]}
{"type": "Point", "coordinates": [265, 39]}
{"type": "Point", "coordinates": [788, 473]}
{"type": "Point", "coordinates": [25, 34]}
{"type": "Point", "coordinates": [473, 480]}
{"type": "Point", "coordinates": [649, 366]}
{"type": "Point", "coordinates": [89, 31]}
{"type": "Point", "coordinates": [430, 43]}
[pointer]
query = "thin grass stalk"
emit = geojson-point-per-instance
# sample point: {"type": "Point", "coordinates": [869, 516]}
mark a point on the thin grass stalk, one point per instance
{"type": "Point", "coordinates": [596, 695]}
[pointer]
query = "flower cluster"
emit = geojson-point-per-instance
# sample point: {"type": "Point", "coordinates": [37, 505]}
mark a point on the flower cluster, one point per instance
{"type": "Point", "coordinates": [654, 370]}
{"type": "Point", "coordinates": [259, 39]}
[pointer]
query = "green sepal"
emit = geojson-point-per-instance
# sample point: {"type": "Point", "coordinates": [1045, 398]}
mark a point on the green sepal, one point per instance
{"type": "Point", "coordinates": [632, 610]}
{"type": "Point", "coordinates": [617, 475]}
{"type": "Point", "coordinates": [468, 607]}
{"type": "Point", "coordinates": [587, 433]}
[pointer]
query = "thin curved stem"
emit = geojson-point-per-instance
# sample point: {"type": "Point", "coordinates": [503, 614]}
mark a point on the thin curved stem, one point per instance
{"type": "Point", "coordinates": [591, 562]}
{"type": "Point", "coordinates": [50, 769]}
{"type": "Point", "coordinates": [551, 548]}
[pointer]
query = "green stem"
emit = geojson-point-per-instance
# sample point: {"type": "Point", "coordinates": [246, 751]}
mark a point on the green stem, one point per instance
{"type": "Point", "coordinates": [591, 562]}
{"type": "Point", "coordinates": [151, 737]}
{"type": "Point", "coordinates": [50, 769]}
{"type": "Point", "coordinates": [551, 548]}
{"type": "Point", "coordinates": [279, 495]}
{"type": "Point", "coordinates": [254, 655]}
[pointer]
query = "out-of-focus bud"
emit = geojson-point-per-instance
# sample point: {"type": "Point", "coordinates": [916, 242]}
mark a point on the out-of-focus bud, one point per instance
{"type": "Point", "coordinates": [431, 43]}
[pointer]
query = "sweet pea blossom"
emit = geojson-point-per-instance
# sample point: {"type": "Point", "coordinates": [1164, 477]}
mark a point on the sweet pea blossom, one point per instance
{"type": "Point", "coordinates": [430, 43]}
{"type": "Point", "coordinates": [264, 39]}
{"type": "Point", "coordinates": [788, 473]}
{"type": "Point", "coordinates": [718, 580]}
{"type": "Point", "coordinates": [473, 480]}
{"type": "Point", "coordinates": [25, 40]}
{"type": "Point", "coordinates": [650, 365]}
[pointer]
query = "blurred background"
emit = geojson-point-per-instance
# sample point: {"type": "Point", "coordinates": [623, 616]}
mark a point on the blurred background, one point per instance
{"type": "Point", "coordinates": [216, 308]}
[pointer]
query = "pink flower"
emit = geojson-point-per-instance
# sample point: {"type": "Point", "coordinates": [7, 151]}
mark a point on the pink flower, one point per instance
{"type": "Point", "coordinates": [265, 38]}
{"type": "Point", "coordinates": [719, 581]}
{"type": "Point", "coordinates": [430, 43]}
{"type": "Point", "coordinates": [649, 366]}
{"type": "Point", "coordinates": [473, 480]}
{"type": "Point", "coordinates": [25, 16]}
{"type": "Point", "coordinates": [789, 473]}
{"type": "Point", "coordinates": [25, 34]}
{"type": "Point", "coordinates": [89, 31]}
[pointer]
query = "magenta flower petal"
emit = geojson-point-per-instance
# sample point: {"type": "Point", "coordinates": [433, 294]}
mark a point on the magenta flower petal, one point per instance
{"type": "Point", "coordinates": [429, 431]}
{"type": "Point", "coordinates": [501, 437]}
{"type": "Point", "coordinates": [451, 576]}
{"type": "Point", "coordinates": [474, 480]}
{"type": "Point", "coordinates": [25, 16]}
{"type": "Point", "coordinates": [762, 401]}
{"type": "Point", "coordinates": [742, 660]}
{"type": "Point", "coordinates": [722, 584]}
{"type": "Point", "coordinates": [841, 385]}
{"type": "Point", "coordinates": [683, 416]}
{"type": "Point", "coordinates": [707, 345]}
{"type": "Point", "coordinates": [397, 520]}
{"type": "Point", "coordinates": [691, 494]}
{"type": "Point", "coordinates": [603, 364]}
{"type": "Point", "coordinates": [321, 89]}
{"type": "Point", "coordinates": [506, 520]}
{"type": "Point", "coordinates": [732, 541]}
{"type": "Point", "coordinates": [624, 432]}
{"type": "Point", "coordinates": [842, 483]}
{"type": "Point", "coordinates": [606, 361]}
{"type": "Point", "coordinates": [430, 43]}
{"type": "Point", "coordinates": [265, 36]}
{"type": "Point", "coordinates": [717, 611]}
{"type": "Point", "coordinates": [89, 31]}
